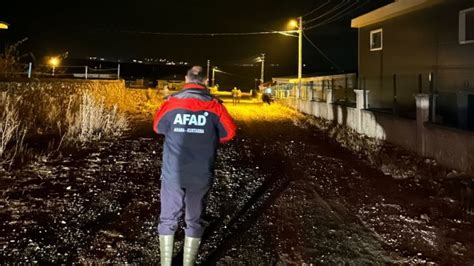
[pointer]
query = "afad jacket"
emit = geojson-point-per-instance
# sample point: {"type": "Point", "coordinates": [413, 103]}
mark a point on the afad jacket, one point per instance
{"type": "Point", "coordinates": [193, 122]}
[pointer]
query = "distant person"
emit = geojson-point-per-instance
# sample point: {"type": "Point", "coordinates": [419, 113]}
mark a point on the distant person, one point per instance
{"type": "Point", "coordinates": [239, 95]}
{"type": "Point", "coordinates": [266, 98]}
{"type": "Point", "coordinates": [166, 90]}
{"type": "Point", "coordinates": [193, 123]}
{"type": "Point", "coordinates": [235, 95]}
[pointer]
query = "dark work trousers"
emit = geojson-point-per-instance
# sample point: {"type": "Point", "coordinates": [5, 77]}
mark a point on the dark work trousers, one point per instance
{"type": "Point", "coordinates": [175, 200]}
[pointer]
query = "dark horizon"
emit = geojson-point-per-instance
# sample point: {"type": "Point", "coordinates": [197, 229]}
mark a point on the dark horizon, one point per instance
{"type": "Point", "coordinates": [111, 31]}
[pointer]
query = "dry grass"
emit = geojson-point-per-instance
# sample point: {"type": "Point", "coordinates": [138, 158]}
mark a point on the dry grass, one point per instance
{"type": "Point", "coordinates": [12, 133]}
{"type": "Point", "coordinates": [66, 112]}
{"type": "Point", "coordinates": [93, 121]}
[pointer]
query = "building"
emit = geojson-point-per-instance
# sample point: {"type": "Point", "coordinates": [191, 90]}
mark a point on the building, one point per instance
{"type": "Point", "coordinates": [410, 47]}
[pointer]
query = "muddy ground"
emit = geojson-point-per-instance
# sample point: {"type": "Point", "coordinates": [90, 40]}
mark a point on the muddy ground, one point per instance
{"type": "Point", "coordinates": [284, 193]}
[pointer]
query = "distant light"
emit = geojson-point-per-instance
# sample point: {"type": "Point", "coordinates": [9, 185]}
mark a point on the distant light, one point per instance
{"type": "Point", "coordinates": [3, 25]}
{"type": "Point", "coordinates": [54, 61]}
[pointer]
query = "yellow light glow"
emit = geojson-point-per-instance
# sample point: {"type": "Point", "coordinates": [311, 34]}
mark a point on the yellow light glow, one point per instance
{"type": "Point", "coordinates": [3, 26]}
{"type": "Point", "coordinates": [293, 24]}
{"type": "Point", "coordinates": [54, 61]}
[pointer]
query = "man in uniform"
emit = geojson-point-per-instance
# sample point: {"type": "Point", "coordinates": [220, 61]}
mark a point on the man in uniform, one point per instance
{"type": "Point", "coordinates": [193, 123]}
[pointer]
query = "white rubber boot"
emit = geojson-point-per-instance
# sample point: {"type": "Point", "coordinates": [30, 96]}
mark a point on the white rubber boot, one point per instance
{"type": "Point", "coordinates": [190, 250]}
{"type": "Point", "coordinates": [166, 249]}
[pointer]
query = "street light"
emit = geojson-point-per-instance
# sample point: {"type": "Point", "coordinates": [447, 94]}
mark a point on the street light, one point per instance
{"type": "Point", "coordinates": [54, 62]}
{"type": "Point", "coordinates": [299, 26]}
{"type": "Point", "coordinates": [4, 25]}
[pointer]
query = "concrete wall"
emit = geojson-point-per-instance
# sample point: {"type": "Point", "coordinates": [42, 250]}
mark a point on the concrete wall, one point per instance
{"type": "Point", "coordinates": [396, 130]}
{"type": "Point", "coordinates": [450, 147]}
{"type": "Point", "coordinates": [381, 126]}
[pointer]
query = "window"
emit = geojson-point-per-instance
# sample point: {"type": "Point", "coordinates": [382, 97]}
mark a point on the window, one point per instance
{"type": "Point", "coordinates": [376, 40]}
{"type": "Point", "coordinates": [466, 26]}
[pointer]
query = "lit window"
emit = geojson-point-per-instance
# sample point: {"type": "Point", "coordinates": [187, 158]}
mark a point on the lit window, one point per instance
{"type": "Point", "coordinates": [376, 40]}
{"type": "Point", "coordinates": [466, 26]}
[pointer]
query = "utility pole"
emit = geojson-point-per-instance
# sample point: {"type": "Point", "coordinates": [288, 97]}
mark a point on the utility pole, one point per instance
{"type": "Point", "coordinates": [262, 74]}
{"type": "Point", "coordinates": [300, 53]}
{"type": "Point", "coordinates": [208, 67]}
{"type": "Point", "coordinates": [214, 76]}
{"type": "Point", "coordinates": [118, 71]}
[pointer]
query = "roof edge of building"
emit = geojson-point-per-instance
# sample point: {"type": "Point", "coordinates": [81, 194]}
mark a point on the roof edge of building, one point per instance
{"type": "Point", "coordinates": [395, 9]}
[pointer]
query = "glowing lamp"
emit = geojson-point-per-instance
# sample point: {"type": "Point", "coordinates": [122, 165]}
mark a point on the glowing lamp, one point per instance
{"type": "Point", "coordinates": [293, 24]}
{"type": "Point", "coordinates": [3, 25]}
{"type": "Point", "coordinates": [54, 61]}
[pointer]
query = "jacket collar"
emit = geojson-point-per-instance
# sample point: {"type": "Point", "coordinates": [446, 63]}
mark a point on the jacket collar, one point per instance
{"type": "Point", "coordinates": [194, 86]}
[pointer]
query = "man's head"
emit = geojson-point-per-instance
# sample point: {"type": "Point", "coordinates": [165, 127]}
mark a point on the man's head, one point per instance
{"type": "Point", "coordinates": [196, 75]}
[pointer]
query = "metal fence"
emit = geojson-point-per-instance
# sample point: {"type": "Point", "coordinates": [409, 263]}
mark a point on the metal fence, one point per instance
{"type": "Point", "coordinates": [340, 87]}
{"type": "Point", "coordinates": [451, 92]}
{"type": "Point", "coordinates": [47, 71]}
{"type": "Point", "coordinates": [395, 94]}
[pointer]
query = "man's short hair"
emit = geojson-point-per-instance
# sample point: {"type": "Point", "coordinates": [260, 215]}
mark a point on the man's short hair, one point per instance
{"type": "Point", "coordinates": [196, 75]}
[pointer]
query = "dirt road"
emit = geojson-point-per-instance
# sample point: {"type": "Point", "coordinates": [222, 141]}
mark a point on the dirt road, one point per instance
{"type": "Point", "coordinates": [284, 193]}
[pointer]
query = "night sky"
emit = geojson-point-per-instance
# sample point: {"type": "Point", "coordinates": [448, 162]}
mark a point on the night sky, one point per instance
{"type": "Point", "coordinates": [96, 28]}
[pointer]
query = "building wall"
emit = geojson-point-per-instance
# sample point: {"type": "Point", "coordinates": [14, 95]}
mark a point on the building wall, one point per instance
{"type": "Point", "coordinates": [419, 42]}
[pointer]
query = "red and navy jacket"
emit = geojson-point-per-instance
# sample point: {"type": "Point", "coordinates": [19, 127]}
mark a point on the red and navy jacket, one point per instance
{"type": "Point", "coordinates": [193, 123]}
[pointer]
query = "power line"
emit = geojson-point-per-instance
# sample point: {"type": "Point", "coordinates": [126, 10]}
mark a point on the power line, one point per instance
{"type": "Point", "coordinates": [339, 13]}
{"type": "Point", "coordinates": [322, 53]}
{"type": "Point", "coordinates": [316, 9]}
{"type": "Point", "coordinates": [338, 17]}
{"type": "Point", "coordinates": [209, 34]}
{"type": "Point", "coordinates": [331, 11]}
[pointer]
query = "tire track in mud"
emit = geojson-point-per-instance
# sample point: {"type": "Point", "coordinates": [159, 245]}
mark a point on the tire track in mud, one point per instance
{"type": "Point", "coordinates": [257, 149]}
{"type": "Point", "coordinates": [285, 163]}
{"type": "Point", "coordinates": [279, 171]}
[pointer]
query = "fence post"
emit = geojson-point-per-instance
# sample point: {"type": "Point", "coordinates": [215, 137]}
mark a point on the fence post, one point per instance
{"type": "Point", "coordinates": [462, 100]}
{"type": "Point", "coordinates": [330, 93]}
{"type": "Point", "coordinates": [330, 100]}
{"type": "Point", "coordinates": [361, 103]}
{"type": "Point", "coordinates": [323, 89]}
{"type": "Point", "coordinates": [432, 110]}
{"type": "Point", "coordinates": [420, 83]}
{"type": "Point", "coordinates": [346, 84]}
{"type": "Point", "coordinates": [30, 69]}
{"type": "Point", "coordinates": [395, 109]}
{"type": "Point", "coordinates": [118, 71]}
{"type": "Point", "coordinates": [86, 71]}
{"type": "Point", "coordinates": [422, 116]}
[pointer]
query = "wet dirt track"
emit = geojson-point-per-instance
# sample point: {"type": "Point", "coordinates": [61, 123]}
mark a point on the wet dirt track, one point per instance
{"type": "Point", "coordinates": [283, 194]}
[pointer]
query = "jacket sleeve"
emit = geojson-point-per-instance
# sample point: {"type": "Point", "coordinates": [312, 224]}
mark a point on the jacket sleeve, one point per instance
{"type": "Point", "coordinates": [160, 123]}
{"type": "Point", "coordinates": [227, 127]}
